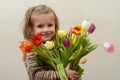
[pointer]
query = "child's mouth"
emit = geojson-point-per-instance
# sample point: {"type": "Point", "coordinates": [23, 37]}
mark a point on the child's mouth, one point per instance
{"type": "Point", "coordinates": [46, 35]}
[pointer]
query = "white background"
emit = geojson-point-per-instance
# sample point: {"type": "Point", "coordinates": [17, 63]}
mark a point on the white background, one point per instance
{"type": "Point", "coordinates": [104, 13]}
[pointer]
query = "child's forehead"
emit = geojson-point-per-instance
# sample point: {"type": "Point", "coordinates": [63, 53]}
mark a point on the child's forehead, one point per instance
{"type": "Point", "coordinates": [42, 13]}
{"type": "Point", "coordinates": [43, 18]}
{"type": "Point", "coordinates": [47, 15]}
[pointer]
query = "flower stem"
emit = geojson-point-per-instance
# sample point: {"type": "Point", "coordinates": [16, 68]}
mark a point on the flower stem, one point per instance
{"type": "Point", "coordinates": [61, 72]}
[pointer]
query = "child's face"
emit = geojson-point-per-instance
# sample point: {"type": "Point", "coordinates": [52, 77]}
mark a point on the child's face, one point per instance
{"type": "Point", "coordinates": [45, 25]}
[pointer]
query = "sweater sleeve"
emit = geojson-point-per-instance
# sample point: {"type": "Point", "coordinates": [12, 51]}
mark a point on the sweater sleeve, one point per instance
{"type": "Point", "coordinates": [39, 72]}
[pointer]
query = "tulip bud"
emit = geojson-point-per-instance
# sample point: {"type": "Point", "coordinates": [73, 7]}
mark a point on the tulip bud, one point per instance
{"type": "Point", "coordinates": [62, 33]}
{"type": "Point", "coordinates": [73, 39]}
{"type": "Point", "coordinates": [49, 45]}
{"type": "Point", "coordinates": [109, 47]}
{"type": "Point", "coordinates": [70, 31]}
{"type": "Point", "coordinates": [86, 24]}
{"type": "Point", "coordinates": [25, 46]}
{"type": "Point", "coordinates": [91, 28]}
{"type": "Point", "coordinates": [83, 60]}
{"type": "Point", "coordinates": [66, 42]}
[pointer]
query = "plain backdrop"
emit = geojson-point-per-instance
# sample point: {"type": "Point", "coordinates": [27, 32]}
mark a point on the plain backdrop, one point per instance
{"type": "Point", "coordinates": [104, 13]}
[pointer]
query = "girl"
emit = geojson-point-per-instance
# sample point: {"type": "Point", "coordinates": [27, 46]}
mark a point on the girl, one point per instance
{"type": "Point", "coordinates": [43, 20]}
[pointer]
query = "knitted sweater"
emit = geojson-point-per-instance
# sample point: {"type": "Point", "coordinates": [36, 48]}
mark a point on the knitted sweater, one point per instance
{"type": "Point", "coordinates": [39, 72]}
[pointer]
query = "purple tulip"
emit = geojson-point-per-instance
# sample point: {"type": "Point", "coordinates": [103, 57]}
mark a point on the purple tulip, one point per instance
{"type": "Point", "coordinates": [66, 42]}
{"type": "Point", "coordinates": [91, 28]}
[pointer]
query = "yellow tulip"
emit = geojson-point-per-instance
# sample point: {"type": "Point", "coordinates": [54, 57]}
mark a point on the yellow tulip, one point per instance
{"type": "Point", "coordinates": [62, 33]}
{"type": "Point", "coordinates": [49, 45]}
{"type": "Point", "coordinates": [73, 39]}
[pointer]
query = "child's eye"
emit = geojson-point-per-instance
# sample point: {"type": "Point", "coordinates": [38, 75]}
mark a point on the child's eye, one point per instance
{"type": "Point", "coordinates": [50, 25]}
{"type": "Point", "coordinates": [39, 26]}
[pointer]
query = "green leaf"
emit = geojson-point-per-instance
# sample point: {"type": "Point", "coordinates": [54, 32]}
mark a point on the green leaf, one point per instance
{"type": "Point", "coordinates": [75, 54]}
{"type": "Point", "coordinates": [80, 40]}
{"type": "Point", "coordinates": [44, 56]}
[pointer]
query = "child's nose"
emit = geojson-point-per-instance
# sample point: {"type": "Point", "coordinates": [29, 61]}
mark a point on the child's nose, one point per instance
{"type": "Point", "coordinates": [46, 29]}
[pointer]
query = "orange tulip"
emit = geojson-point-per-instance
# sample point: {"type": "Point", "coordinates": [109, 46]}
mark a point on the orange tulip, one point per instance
{"type": "Point", "coordinates": [83, 60]}
{"type": "Point", "coordinates": [25, 46]}
{"type": "Point", "coordinates": [77, 29]}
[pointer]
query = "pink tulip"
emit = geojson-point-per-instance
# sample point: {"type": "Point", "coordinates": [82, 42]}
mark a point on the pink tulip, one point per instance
{"type": "Point", "coordinates": [70, 31]}
{"type": "Point", "coordinates": [109, 47]}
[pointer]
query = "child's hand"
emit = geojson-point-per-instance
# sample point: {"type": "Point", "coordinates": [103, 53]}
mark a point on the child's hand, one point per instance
{"type": "Point", "coordinates": [72, 75]}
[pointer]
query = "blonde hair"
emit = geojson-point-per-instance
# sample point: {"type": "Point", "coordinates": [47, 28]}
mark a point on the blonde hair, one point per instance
{"type": "Point", "coordinates": [28, 30]}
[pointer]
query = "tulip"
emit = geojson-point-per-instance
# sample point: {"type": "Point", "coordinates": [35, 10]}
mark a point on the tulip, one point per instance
{"type": "Point", "coordinates": [49, 45]}
{"type": "Point", "coordinates": [25, 46]}
{"type": "Point", "coordinates": [91, 28]}
{"type": "Point", "coordinates": [86, 24]}
{"type": "Point", "coordinates": [109, 47]}
{"type": "Point", "coordinates": [62, 33]}
{"type": "Point", "coordinates": [73, 39]}
{"type": "Point", "coordinates": [66, 42]}
{"type": "Point", "coordinates": [77, 29]}
{"type": "Point", "coordinates": [36, 39]}
{"type": "Point", "coordinates": [70, 31]}
{"type": "Point", "coordinates": [83, 60]}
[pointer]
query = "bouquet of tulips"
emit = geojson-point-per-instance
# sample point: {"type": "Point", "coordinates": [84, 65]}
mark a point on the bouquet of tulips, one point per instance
{"type": "Point", "coordinates": [69, 46]}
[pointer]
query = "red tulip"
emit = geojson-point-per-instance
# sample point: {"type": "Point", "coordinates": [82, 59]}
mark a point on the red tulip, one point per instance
{"type": "Point", "coordinates": [36, 39]}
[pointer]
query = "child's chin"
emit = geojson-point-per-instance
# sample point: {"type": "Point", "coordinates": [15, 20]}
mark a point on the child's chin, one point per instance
{"type": "Point", "coordinates": [47, 39]}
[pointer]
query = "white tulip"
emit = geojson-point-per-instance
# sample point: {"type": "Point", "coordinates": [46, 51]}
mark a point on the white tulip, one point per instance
{"type": "Point", "coordinates": [86, 24]}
